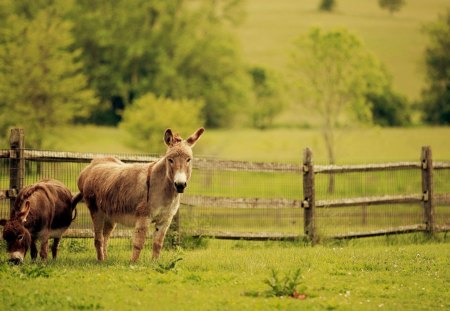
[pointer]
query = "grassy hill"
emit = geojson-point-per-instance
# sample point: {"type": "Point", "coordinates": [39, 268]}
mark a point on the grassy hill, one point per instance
{"type": "Point", "coordinates": [271, 26]}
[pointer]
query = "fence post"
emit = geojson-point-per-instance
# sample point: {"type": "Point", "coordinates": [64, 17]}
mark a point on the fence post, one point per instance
{"type": "Point", "coordinates": [427, 188]}
{"type": "Point", "coordinates": [16, 164]}
{"type": "Point", "coordinates": [309, 197]}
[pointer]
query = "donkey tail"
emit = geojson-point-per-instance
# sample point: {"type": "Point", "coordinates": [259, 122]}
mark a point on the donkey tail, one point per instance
{"type": "Point", "coordinates": [73, 204]}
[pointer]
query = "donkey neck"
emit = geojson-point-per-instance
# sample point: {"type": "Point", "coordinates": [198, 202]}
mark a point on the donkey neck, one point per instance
{"type": "Point", "coordinates": [160, 182]}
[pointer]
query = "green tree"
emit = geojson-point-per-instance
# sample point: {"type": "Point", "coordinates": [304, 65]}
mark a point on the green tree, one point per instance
{"type": "Point", "coordinates": [436, 95]}
{"type": "Point", "coordinates": [41, 86]}
{"type": "Point", "coordinates": [172, 48]}
{"type": "Point", "coordinates": [391, 5]}
{"type": "Point", "coordinates": [389, 108]}
{"type": "Point", "coordinates": [327, 5]}
{"type": "Point", "coordinates": [148, 116]}
{"type": "Point", "coordinates": [269, 97]}
{"type": "Point", "coordinates": [334, 72]}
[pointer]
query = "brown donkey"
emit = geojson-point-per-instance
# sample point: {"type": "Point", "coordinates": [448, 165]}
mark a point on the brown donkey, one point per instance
{"type": "Point", "coordinates": [137, 194]}
{"type": "Point", "coordinates": [43, 210]}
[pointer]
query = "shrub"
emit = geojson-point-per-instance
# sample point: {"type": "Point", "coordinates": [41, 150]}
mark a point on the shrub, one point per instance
{"type": "Point", "coordinates": [147, 118]}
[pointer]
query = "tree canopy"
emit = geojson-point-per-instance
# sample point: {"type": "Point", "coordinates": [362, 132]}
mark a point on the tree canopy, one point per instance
{"type": "Point", "coordinates": [171, 48]}
{"type": "Point", "coordinates": [333, 73]}
{"type": "Point", "coordinates": [41, 84]}
{"type": "Point", "coordinates": [436, 95]}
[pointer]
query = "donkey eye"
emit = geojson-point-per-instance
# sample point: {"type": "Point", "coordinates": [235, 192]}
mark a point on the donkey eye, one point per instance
{"type": "Point", "coordinates": [188, 160]}
{"type": "Point", "coordinates": [20, 237]}
{"type": "Point", "coordinates": [170, 161]}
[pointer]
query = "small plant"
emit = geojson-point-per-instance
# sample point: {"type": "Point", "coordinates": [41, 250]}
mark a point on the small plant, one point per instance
{"type": "Point", "coordinates": [31, 272]}
{"type": "Point", "coordinates": [286, 286]}
{"type": "Point", "coordinates": [164, 267]}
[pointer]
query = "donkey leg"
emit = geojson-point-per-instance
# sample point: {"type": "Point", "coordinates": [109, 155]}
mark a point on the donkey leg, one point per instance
{"type": "Point", "coordinates": [44, 247]}
{"type": "Point", "coordinates": [107, 230]}
{"type": "Point", "coordinates": [55, 247]}
{"type": "Point", "coordinates": [158, 238]}
{"type": "Point", "coordinates": [33, 250]}
{"type": "Point", "coordinates": [98, 218]}
{"type": "Point", "coordinates": [140, 233]}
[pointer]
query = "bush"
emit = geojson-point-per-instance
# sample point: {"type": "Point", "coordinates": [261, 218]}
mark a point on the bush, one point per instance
{"type": "Point", "coordinates": [148, 117]}
{"type": "Point", "coordinates": [327, 5]}
{"type": "Point", "coordinates": [389, 109]}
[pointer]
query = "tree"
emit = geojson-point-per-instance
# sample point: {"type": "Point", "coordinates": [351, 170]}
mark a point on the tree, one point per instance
{"type": "Point", "coordinates": [334, 72]}
{"type": "Point", "coordinates": [391, 5]}
{"type": "Point", "coordinates": [436, 95]}
{"type": "Point", "coordinates": [147, 118]}
{"type": "Point", "coordinates": [41, 86]}
{"type": "Point", "coordinates": [389, 108]}
{"type": "Point", "coordinates": [327, 5]}
{"type": "Point", "coordinates": [269, 99]}
{"type": "Point", "coordinates": [171, 48]}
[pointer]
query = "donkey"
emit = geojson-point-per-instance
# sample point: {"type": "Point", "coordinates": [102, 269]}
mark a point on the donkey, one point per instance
{"type": "Point", "coordinates": [41, 211]}
{"type": "Point", "coordinates": [137, 194]}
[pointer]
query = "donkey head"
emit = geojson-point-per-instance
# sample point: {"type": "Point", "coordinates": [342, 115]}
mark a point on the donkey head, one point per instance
{"type": "Point", "coordinates": [179, 158]}
{"type": "Point", "coordinates": [17, 237]}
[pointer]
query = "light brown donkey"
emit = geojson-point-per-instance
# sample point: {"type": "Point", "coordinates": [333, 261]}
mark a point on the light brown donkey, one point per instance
{"type": "Point", "coordinates": [137, 194]}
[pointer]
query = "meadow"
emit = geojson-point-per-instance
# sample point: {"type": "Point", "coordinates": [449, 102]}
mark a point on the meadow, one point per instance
{"type": "Point", "coordinates": [270, 28]}
{"type": "Point", "coordinates": [392, 273]}
{"type": "Point", "coordinates": [354, 145]}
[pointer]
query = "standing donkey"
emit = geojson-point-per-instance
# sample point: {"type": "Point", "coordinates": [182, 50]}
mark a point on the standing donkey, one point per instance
{"type": "Point", "coordinates": [43, 210]}
{"type": "Point", "coordinates": [137, 194]}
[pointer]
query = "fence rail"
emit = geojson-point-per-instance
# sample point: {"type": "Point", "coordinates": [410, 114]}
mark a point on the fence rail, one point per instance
{"type": "Point", "coordinates": [247, 206]}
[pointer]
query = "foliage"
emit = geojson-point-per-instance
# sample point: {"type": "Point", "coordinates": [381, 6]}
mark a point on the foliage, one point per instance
{"type": "Point", "coordinates": [164, 267]}
{"type": "Point", "coordinates": [286, 286]}
{"type": "Point", "coordinates": [327, 5]}
{"type": "Point", "coordinates": [170, 48]}
{"type": "Point", "coordinates": [334, 72]}
{"type": "Point", "coordinates": [269, 99]}
{"type": "Point", "coordinates": [149, 116]}
{"type": "Point", "coordinates": [41, 86]}
{"type": "Point", "coordinates": [436, 95]}
{"type": "Point", "coordinates": [389, 108]}
{"type": "Point", "coordinates": [391, 5]}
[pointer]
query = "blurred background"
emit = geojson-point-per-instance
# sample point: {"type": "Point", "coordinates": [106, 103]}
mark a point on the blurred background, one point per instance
{"type": "Point", "coordinates": [357, 81]}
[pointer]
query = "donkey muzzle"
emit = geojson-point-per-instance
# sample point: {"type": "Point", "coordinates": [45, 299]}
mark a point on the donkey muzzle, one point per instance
{"type": "Point", "coordinates": [180, 186]}
{"type": "Point", "coordinates": [15, 261]}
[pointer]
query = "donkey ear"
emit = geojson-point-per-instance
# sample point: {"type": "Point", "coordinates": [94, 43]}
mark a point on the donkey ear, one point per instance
{"type": "Point", "coordinates": [3, 222]}
{"type": "Point", "coordinates": [24, 211]}
{"type": "Point", "coordinates": [194, 137]}
{"type": "Point", "coordinates": [168, 137]}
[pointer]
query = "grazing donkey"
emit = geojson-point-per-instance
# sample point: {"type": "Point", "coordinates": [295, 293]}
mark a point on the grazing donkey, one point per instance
{"type": "Point", "coordinates": [43, 210]}
{"type": "Point", "coordinates": [137, 194]}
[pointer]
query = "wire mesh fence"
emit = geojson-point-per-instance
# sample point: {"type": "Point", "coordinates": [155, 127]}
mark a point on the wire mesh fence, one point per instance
{"type": "Point", "coordinates": [254, 200]}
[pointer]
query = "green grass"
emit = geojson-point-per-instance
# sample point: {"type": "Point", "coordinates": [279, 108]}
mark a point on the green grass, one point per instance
{"type": "Point", "coordinates": [353, 145]}
{"type": "Point", "coordinates": [401, 273]}
{"type": "Point", "coordinates": [271, 26]}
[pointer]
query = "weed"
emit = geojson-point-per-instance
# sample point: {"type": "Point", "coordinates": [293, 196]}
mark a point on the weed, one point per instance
{"type": "Point", "coordinates": [286, 286]}
{"type": "Point", "coordinates": [75, 246]}
{"type": "Point", "coordinates": [31, 272]}
{"type": "Point", "coordinates": [164, 267]}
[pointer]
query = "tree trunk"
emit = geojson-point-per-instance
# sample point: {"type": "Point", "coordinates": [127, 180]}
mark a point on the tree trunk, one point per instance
{"type": "Point", "coordinates": [328, 135]}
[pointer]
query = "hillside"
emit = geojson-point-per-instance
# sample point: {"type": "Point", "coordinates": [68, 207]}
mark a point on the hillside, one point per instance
{"type": "Point", "coordinates": [271, 26]}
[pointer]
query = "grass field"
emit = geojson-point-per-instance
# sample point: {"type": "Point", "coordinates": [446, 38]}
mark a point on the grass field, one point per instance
{"type": "Point", "coordinates": [354, 145]}
{"type": "Point", "coordinates": [268, 33]}
{"type": "Point", "coordinates": [396, 273]}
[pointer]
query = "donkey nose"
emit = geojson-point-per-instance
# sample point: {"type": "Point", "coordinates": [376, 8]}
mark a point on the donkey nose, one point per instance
{"type": "Point", "coordinates": [180, 186]}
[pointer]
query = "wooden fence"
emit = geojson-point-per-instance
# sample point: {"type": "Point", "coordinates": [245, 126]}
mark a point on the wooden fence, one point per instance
{"type": "Point", "coordinates": [307, 200]}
